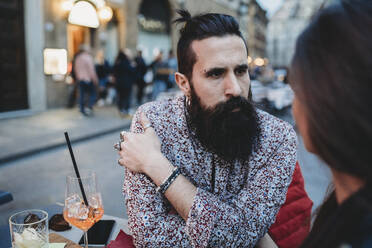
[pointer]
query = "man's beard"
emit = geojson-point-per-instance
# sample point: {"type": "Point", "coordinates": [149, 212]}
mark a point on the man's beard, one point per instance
{"type": "Point", "coordinates": [229, 129]}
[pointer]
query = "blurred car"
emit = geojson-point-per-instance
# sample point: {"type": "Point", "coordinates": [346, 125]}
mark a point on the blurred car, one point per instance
{"type": "Point", "coordinates": [259, 91]}
{"type": "Point", "coordinates": [280, 95]}
{"type": "Point", "coordinates": [280, 75]}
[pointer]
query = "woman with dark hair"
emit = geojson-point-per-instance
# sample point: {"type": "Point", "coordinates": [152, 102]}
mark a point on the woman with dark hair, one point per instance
{"type": "Point", "coordinates": [125, 77]}
{"type": "Point", "coordinates": [331, 75]}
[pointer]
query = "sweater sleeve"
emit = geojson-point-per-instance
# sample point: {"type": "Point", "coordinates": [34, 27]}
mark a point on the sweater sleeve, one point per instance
{"type": "Point", "coordinates": [242, 221]}
{"type": "Point", "coordinates": [149, 219]}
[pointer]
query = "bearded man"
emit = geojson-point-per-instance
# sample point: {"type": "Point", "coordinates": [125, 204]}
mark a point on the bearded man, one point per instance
{"type": "Point", "coordinates": [209, 170]}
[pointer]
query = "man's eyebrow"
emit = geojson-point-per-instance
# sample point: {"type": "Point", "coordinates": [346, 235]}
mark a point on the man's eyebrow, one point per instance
{"type": "Point", "coordinates": [242, 66]}
{"type": "Point", "coordinates": [211, 71]}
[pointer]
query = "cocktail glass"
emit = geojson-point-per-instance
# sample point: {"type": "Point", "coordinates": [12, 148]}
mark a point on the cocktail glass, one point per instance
{"type": "Point", "coordinates": [76, 211]}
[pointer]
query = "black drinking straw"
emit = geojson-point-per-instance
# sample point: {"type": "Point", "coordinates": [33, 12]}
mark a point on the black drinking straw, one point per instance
{"type": "Point", "coordinates": [76, 168]}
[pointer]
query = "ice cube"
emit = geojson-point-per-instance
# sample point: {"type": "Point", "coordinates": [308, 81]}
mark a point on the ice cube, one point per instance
{"type": "Point", "coordinates": [73, 199]}
{"type": "Point", "coordinates": [73, 210]}
{"type": "Point", "coordinates": [29, 238]}
{"type": "Point", "coordinates": [95, 200]}
{"type": "Point", "coordinates": [30, 234]}
{"type": "Point", "coordinates": [18, 239]}
{"type": "Point", "coordinates": [83, 212]}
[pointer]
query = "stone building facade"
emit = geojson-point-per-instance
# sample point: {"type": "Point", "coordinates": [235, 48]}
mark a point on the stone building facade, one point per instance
{"type": "Point", "coordinates": [37, 25]}
{"type": "Point", "coordinates": [285, 26]}
{"type": "Point", "coordinates": [257, 26]}
{"type": "Point", "coordinates": [148, 41]}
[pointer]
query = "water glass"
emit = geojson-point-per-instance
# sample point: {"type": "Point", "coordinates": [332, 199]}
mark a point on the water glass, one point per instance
{"type": "Point", "coordinates": [29, 229]}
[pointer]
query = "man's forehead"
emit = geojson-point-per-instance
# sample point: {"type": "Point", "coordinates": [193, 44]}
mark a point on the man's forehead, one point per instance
{"type": "Point", "coordinates": [217, 51]}
{"type": "Point", "coordinates": [217, 42]}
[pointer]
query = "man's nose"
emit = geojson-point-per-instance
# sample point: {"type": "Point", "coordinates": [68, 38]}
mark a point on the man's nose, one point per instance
{"type": "Point", "coordinates": [232, 86]}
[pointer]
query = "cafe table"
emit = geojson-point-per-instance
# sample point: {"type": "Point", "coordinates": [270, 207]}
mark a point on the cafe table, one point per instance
{"type": "Point", "coordinates": [74, 234]}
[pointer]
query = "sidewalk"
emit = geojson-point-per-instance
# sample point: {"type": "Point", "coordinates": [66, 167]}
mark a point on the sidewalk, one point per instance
{"type": "Point", "coordinates": [20, 137]}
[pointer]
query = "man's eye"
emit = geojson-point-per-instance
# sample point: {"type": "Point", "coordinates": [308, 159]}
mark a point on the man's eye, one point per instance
{"type": "Point", "coordinates": [241, 71]}
{"type": "Point", "coordinates": [215, 73]}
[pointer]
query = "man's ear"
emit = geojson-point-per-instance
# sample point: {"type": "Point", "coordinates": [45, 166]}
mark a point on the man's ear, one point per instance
{"type": "Point", "coordinates": [183, 83]}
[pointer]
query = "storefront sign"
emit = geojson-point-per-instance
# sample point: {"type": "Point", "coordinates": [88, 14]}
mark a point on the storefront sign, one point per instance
{"type": "Point", "coordinates": [55, 61]}
{"type": "Point", "coordinates": [151, 25]}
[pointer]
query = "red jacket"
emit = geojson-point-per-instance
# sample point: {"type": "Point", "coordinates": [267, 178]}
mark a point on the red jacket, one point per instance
{"type": "Point", "coordinates": [292, 223]}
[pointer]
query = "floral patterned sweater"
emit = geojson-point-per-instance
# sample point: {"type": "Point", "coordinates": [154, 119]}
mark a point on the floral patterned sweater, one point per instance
{"type": "Point", "coordinates": [246, 197]}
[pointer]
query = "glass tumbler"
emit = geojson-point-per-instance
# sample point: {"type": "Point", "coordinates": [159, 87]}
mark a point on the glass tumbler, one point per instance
{"type": "Point", "coordinates": [29, 229]}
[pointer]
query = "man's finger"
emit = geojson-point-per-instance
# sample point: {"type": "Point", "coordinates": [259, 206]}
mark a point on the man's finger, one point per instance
{"type": "Point", "coordinates": [124, 135]}
{"type": "Point", "coordinates": [120, 162]}
{"type": "Point", "coordinates": [144, 122]}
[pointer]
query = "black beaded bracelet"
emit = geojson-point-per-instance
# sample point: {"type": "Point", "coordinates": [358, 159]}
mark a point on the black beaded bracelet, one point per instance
{"type": "Point", "coordinates": [165, 185]}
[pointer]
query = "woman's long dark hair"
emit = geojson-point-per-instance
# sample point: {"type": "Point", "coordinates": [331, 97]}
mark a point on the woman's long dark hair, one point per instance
{"type": "Point", "coordinates": [331, 74]}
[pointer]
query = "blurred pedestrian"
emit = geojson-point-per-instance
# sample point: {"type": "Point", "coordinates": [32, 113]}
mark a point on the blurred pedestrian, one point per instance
{"type": "Point", "coordinates": [111, 90]}
{"type": "Point", "coordinates": [172, 65]}
{"type": "Point", "coordinates": [125, 77]}
{"type": "Point", "coordinates": [331, 77]}
{"type": "Point", "coordinates": [161, 74]}
{"type": "Point", "coordinates": [141, 71]}
{"type": "Point", "coordinates": [72, 84]}
{"type": "Point", "coordinates": [86, 78]}
{"type": "Point", "coordinates": [103, 70]}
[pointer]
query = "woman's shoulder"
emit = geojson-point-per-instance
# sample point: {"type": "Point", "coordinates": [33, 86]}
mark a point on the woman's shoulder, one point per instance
{"type": "Point", "coordinates": [363, 239]}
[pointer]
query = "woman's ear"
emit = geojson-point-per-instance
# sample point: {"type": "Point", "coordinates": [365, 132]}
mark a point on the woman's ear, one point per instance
{"type": "Point", "coordinates": [183, 83]}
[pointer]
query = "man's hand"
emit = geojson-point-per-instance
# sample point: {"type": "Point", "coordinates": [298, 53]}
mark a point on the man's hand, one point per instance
{"type": "Point", "coordinates": [141, 153]}
{"type": "Point", "coordinates": [142, 150]}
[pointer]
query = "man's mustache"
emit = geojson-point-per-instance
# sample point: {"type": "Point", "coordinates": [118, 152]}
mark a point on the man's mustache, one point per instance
{"type": "Point", "coordinates": [232, 105]}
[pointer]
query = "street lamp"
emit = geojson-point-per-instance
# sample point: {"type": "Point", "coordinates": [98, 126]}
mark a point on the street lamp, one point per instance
{"type": "Point", "coordinates": [249, 59]}
{"type": "Point", "coordinates": [87, 13]}
{"type": "Point", "coordinates": [84, 13]}
{"type": "Point", "coordinates": [105, 14]}
{"type": "Point", "coordinates": [259, 61]}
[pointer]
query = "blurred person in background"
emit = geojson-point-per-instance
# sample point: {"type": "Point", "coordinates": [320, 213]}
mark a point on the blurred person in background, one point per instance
{"type": "Point", "coordinates": [86, 78]}
{"type": "Point", "coordinates": [141, 71]}
{"type": "Point", "coordinates": [103, 71]}
{"type": "Point", "coordinates": [267, 74]}
{"type": "Point", "coordinates": [111, 89]}
{"type": "Point", "coordinates": [125, 78]}
{"type": "Point", "coordinates": [332, 79]}
{"type": "Point", "coordinates": [172, 65]}
{"type": "Point", "coordinates": [161, 74]}
{"type": "Point", "coordinates": [72, 83]}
